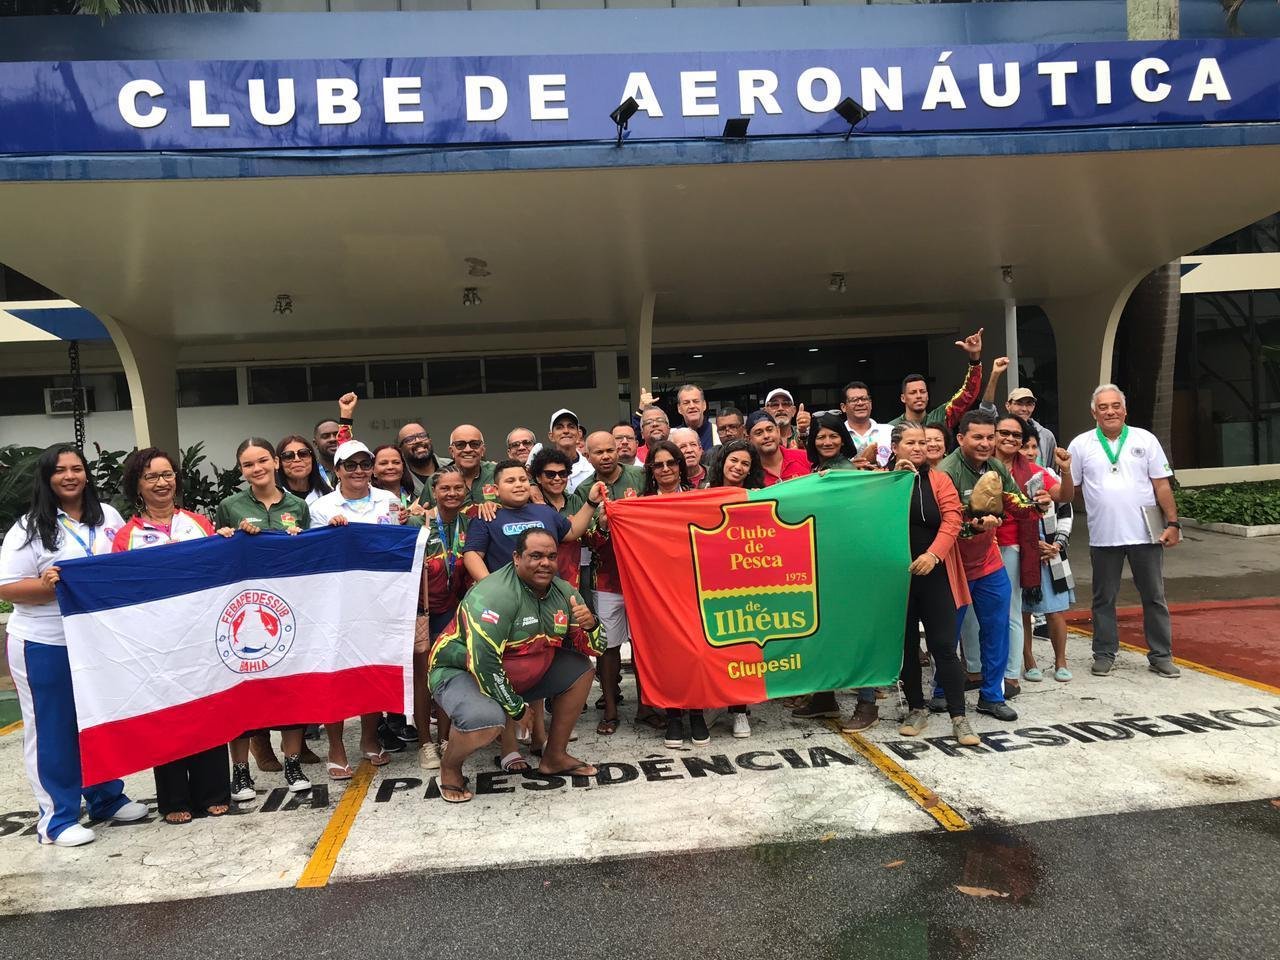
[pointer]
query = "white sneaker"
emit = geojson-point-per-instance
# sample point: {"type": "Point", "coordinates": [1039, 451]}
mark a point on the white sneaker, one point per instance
{"type": "Point", "coordinates": [741, 726]}
{"type": "Point", "coordinates": [74, 836]}
{"type": "Point", "coordinates": [428, 756]}
{"type": "Point", "coordinates": [131, 812]}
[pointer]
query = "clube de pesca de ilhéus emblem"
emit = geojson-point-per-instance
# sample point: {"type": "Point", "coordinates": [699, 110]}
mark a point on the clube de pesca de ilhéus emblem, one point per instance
{"type": "Point", "coordinates": [756, 576]}
{"type": "Point", "coordinates": [255, 631]}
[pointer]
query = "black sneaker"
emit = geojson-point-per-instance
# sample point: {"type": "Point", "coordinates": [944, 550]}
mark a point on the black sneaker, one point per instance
{"type": "Point", "coordinates": [698, 731]}
{"type": "Point", "coordinates": [241, 783]}
{"type": "Point", "coordinates": [390, 742]}
{"type": "Point", "coordinates": [675, 733]}
{"type": "Point", "coordinates": [1001, 711]}
{"type": "Point", "coordinates": [294, 776]}
{"type": "Point", "coordinates": [408, 733]}
{"type": "Point", "coordinates": [937, 704]}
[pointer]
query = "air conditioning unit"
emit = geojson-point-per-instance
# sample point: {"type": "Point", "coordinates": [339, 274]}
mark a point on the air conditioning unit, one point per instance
{"type": "Point", "coordinates": [61, 401]}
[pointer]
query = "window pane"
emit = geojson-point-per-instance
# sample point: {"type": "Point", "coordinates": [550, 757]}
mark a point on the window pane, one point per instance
{"type": "Point", "coordinates": [22, 395]}
{"type": "Point", "coordinates": [453, 376]}
{"type": "Point", "coordinates": [399, 379]}
{"type": "Point", "coordinates": [329, 381]}
{"type": "Point", "coordinates": [278, 385]}
{"type": "Point", "coordinates": [124, 401]}
{"type": "Point", "coordinates": [207, 388]}
{"type": "Point", "coordinates": [568, 371]}
{"type": "Point", "coordinates": [509, 374]}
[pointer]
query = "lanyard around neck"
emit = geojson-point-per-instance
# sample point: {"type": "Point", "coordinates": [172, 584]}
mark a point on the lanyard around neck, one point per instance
{"type": "Point", "coordinates": [1106, 445]}
{"type": "Point", "coordinates": [93, 535]}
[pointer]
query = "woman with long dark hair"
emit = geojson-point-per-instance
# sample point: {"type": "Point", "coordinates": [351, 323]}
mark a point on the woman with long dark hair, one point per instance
{"type": "Point", "coordinates": [300, 472]}
{"type": "Point", "coordinates": [200, 784]}
{"type": "Point", "coordinates": [65, 521]}
{"type": "Point", "coordinates": [829, 445]}
{"type": "Point", "coordinates": [263, 506]}
{"type": "Point", "coordinates": [736, 464]}
{"type": "Point", "coordinates": [661, 474]}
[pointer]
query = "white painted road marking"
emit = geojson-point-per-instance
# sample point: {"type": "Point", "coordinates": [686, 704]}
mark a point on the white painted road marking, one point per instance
{"type": "Point", "coordinates": [792, 780]}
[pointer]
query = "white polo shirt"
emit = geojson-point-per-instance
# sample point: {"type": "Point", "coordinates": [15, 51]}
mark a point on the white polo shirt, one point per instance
{"type": "Point", "coordinates": [375, 508]}
{"type": "Point", "coordinates": [19, 560]}
{"type": "Point", "coordinates": [1115, 499]}
{"type": "Point", "coordinates": [881, 434]}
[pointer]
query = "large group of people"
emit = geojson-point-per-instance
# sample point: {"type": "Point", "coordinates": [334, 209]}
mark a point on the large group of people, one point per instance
{"type": "Point", "coordinates": [521, 606]}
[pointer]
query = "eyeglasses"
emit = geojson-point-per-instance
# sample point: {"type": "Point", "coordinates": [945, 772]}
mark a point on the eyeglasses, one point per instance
{"type": "Point", "coordinates": [775, 404]}
{"type": "Point", "coordinates": [653, 423]}
{"type": "Point", "coordinates": [466, 444]}
{"type": "Point", "coordinates": [1010, 434]}
{"type": "Point", "coordinates": [166, 476]}
{"type": "Point", "coordinates": [519, 443]}
{"type": "Point", "coordinates": [288, 455]}
{"type": "Point", "coordinates": [1024, 402]}
{"type": "Point", "coordinates": [358, 465]}
{"type": "Point", "coordinates": [415, 438]}
{"type": "Point", "coordinates": [853, 400]}
{"type": "Point", "coordinates": [556, 474]}
{"type": "Point", "coordinates": [664, 465]}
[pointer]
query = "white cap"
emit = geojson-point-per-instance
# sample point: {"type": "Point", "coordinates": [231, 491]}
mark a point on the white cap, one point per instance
{"type": "Point", "coordinates": [561, 413]}
{"type": "Point", "coordinates": [349, 450]}
{"type": "Point", "coordinates": [778, 390]}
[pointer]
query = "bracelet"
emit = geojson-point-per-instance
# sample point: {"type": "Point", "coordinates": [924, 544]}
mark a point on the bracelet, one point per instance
{"type": "Point", "coordinates": [1173, 523]}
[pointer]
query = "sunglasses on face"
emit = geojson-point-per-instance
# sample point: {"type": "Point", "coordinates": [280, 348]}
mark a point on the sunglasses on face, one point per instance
{"type": "Point", "coordinates": [520, 443]}
{"type": "Point", "coordinates": [358, 465]}
{"type": "Point", "coordinates": [664, 465]}
{"type": "Point", "coordinates": [466, 444]}
{"type": "Point", "coordinates": [1010, 434]}
{"type": "Point", "coordinates": [555, 474]}
{"type": "Point", "coordinates": [290, 455]}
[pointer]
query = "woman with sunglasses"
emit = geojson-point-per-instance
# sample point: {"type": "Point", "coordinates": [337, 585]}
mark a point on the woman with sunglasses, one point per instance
{"type": "Point", "coordinates": [829, 445]}
{"type": "Point", "coordinates": [300, 472]}
{"type": "Point", "coordinates": [65, 521]}
{"type": "Point", "coordinates": [356, 500]}
{"type": "Point", "coordinates": [199, 784]}
{"type": "Point", "coordinates": [665, 470]}
{"type": "Point", "coordinates": [263, 506]}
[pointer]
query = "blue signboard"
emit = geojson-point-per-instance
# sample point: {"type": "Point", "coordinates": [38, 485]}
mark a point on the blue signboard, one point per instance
{"type": "Point", "coordinates": [137, 105]}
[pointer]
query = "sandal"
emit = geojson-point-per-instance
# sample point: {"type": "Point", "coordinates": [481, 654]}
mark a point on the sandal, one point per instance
{"type": "Point", "coordinates": [177, 817]}
{"type": "Point", "coordinates": [607, 727]}
{"type": "Point", "coordinates": [513, 762]}
{"type": "Point", "coordinates": [217, 810]}
{"type": "Point", "coordinates": [456, 788]}
{"type": "Point", "coordinates": [379, 759]}
{"type": "Point", "coordinates": [339, 771]}
{"type": "Point", "coordinates": [577, 770]}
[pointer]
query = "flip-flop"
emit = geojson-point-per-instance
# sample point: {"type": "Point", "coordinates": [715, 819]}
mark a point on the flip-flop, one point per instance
{"type": "Point", "coordinates": [379, 759]}
{"type": "Point", "coordinates": [460, 788]}
{"type": "Point", "coordinates": [339, 771]}
{"type": "Point", "coordinates": [578, 770]}
{"type": "Point", "coordinates": [508, 763]}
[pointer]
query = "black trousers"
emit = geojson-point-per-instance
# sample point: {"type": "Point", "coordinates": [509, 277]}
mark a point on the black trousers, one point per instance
{"type": "Point", "coordinates": [194, 783]}
{"type": "Point", "coordinates": [930, 602]}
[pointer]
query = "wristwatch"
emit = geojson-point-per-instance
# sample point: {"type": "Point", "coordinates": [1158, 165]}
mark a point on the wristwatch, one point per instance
{"type": "Point", "coordinates": [1173, 523]}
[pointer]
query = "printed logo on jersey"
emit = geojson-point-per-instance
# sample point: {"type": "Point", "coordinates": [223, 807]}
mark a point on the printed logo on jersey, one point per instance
{"type": "Point", "coordinates": [255, 631]}
{"type": "Point", "coordinates": [518, 527]}
{"type": "Point", "coordinates": [490, 616]}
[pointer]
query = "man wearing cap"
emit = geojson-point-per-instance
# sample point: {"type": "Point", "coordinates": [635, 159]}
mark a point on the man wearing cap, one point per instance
{"type": "Point", "coordinates": [792, 423]}
{"type": "Point", "coordinates": [466, 443]}
{"type": "Point", "coordinates": [1021, 403]}
{"type": "Point", "coordinates": [654, 428]}
{"type": "Point", "coordinates": [915, 392]}
{"type": "Point", "coordinates": [564, 433]}
{"type": "Point", "coordinates": [779, 463]}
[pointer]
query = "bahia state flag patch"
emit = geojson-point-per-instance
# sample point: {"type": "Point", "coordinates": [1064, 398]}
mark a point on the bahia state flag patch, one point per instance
{"type": "Point", "coordinates": [490, 616]}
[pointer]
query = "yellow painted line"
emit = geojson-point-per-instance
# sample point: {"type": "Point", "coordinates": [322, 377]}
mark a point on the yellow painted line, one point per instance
{"type": "Point", "coordinates": [1192, 665]}
{"type": "Point", "coordinates": [928, 801]}
{"type": "Point", "coordinates": [10, 727]}
{"type": "Point", "coordinates": [320, 866]}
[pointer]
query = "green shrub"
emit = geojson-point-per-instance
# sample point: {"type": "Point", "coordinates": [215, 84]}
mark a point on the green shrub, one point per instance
{"type": "Point", "coordinates": [1250, 504]}
{"type": "Point", "coordinates": [6, 606]}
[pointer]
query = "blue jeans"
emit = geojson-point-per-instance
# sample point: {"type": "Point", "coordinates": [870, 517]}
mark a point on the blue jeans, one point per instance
{"type": "Point", "coordinates": [991, 596]}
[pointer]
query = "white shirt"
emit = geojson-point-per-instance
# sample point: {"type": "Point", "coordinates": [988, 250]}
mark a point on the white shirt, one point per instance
{"type": "Point", "coordinates": [375, 508]}
{"type": "Point", "coordinates": [879, 433]}
{"type": "Point", "coordinates": [1114, 500]}
{"type": "Point", "coordinates": [19, 560]}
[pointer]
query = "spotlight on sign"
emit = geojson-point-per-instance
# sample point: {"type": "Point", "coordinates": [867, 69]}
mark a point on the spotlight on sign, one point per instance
{"type": "Point", "coordinates": [735, 128]}
{"type": "Point", "coordinates": [622, 113]}
{"type": "Point", "coordinates": [852, 112]}
{"type": "Point", "coordinates": [471, 297]}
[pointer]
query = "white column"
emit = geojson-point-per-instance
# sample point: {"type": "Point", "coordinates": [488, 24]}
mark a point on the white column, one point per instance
{"type": "Point", "coordinates": [1011, 342]}
{"type": "Point", "coordinates": [640, 348]}
{"type": "Point", "coordinates": [150, 366]}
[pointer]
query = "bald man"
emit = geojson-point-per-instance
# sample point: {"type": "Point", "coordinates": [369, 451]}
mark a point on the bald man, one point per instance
{"type": "Point", "coordinates": [466, 443]}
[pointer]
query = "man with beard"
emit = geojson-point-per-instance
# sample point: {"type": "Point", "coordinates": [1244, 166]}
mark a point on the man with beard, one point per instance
{"type": "Point", "coordinates": [326, 438]}
{"type": "Point", "coordinates": [420, 460]}
{"type": "Point", "coordinates": [792, 423]}
{"type": "Point", "coordinates": [731, 424]}
{"type": "Point", "coordinates": [624, 438]}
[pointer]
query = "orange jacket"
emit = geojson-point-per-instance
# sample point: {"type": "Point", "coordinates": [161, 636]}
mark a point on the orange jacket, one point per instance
{"type": "Point", "coordinates": [945, 544]}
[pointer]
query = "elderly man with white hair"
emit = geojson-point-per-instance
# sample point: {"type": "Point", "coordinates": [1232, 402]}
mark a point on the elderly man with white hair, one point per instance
{"type": "Point", "coordinates": [691, 449]}
{"type": "Point", "coordinates": [1132, 515]}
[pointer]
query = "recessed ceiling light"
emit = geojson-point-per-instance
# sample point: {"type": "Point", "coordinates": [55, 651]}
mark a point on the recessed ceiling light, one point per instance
{"type": "Point", "coordinates": [654, 377]}
{"type": "Point", "coordinates": [813, 349]}
{"type": "Point", "coordinates": [742, 373]}
{"type": "Point", "coordinates": [671, 369]}
{"type": "Point", "coordinates": [697, 356]}
{"type": "Point", "coordinates": [769, 363]}
{"type": "Point", "coordinates": [862, 361]}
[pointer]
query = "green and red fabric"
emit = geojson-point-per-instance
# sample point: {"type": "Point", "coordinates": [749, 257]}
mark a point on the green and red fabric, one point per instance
{"type": "Point", "coordinates": [739, 596]}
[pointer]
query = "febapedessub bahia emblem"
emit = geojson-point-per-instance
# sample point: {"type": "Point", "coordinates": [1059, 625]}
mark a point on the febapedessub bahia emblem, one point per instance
{"type": "Point", "coordinates": [756, 576]}
{"type": "Point", "coordinates": [255, 631]}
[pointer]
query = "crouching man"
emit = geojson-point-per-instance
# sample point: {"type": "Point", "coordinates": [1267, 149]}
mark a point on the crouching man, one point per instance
{"type": "Point", "coordinates": [522, 635]}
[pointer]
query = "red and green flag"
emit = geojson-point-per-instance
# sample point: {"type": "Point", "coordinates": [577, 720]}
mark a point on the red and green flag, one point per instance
{"type": "Point", "coordinates": [739, 596]}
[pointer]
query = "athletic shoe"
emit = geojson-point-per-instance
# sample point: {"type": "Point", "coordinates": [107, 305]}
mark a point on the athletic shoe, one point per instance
{"type": "Point", "coordinates": [817, 707]}
{"type": "Point", "coordinates": [131, 812]}
{"type": "Point", "coordinates": [428, 756]}
{"type": "Point", "coordinates": [241, 783]}
{"type": "Point", "coordinates": [408, 733]}
{"type": "Point", "coordinates": [294, 776]}
{"type": "Point", "coordinates": [963, 733]}
{"type": "Point", "coordinates": [915, 723]}
{"type": "Point", "coordinates": [1101, 666]}
{"type": "Point", "coordinates": [864, 715]}
{"type": "Point", "coordinates": [74, 836]}
{"type": "Point", "coordinates": [388, 739]}
{"type": "Point", "coordinates": [698, 731]}
{"type": "Point", "coordinates": [741, 726]}
{"type": "Point", "coordinates": [674, 739]}
{"type": "Point", "coordinates": [1001, 711]}
{"type": "Point", "coordinates": [1165, 668]}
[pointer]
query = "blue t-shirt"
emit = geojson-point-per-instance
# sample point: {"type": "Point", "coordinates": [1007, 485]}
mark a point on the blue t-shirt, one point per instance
{"type": "Point", "coordinates": [496, 539]}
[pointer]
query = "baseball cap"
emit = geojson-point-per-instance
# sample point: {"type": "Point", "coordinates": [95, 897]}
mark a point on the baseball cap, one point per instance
{"type": "Point", "coordinates": [757, 415]}
{"type": "Point", "coordinates": [349, 450]}
{"type": "Point", "coordinates": [1022, 393]}
{"type": "Point", "coordinates": [778, 391]}
{"type": "Point", "coordinates": [560, 415]}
